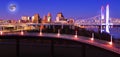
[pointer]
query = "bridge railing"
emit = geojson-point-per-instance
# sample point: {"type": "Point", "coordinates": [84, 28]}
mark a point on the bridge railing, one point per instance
{"type": "Point", "coordinates": [91, 40]}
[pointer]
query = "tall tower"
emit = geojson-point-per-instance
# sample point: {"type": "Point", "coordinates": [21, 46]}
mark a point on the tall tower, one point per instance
{"type": "Point", "coordinates": [102, 17]}
{"type": "Point", "coordinates": [59, 17]}
{"type": "Point", "coordinates": [102, 12]}
{"type": "Point", "coordinates": [107, 18]}
{"type": "Point", "coordinates": [44, 19]}
{"type": "Point", "coordinates": [49, 17]}
{"type": "Point", "coordinates": [35, 18]}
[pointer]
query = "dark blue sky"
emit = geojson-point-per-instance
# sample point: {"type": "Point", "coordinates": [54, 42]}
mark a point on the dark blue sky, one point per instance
{"type": "Point", "coordinates": [69, 8]}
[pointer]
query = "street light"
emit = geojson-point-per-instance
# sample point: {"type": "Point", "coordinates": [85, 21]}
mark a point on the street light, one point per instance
{"type": "Point", "coordinates": [111, 42]}
{"type": "Point", "coordinates": [40, 32]}
{"type": "Point", "coordinates": [58, 34]}
{"type": "Point", "coordinates": [1, 32]}
{"type": "Point", "coordinates": [92, 39]}
{"type": "Point", "coordinates": [76, 34]}
{"type": "Point", "coordinates": [22, 32]}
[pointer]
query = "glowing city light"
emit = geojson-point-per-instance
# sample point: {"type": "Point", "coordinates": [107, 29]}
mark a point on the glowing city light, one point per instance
{"type": "Point", "coordinates": [58, 34]}
{"type": "Point", "coordinates": [102, 12]}
{"type": "Point", "coordinates": [49, 19]}
{"type": "Point", "coordinates": [92, 39]}
{"type": "Point", "coordinates": [1, 32]}
{"type": "Point", "coordinates": [40, 32]}
{"type": "Point", "coordinates": [75, 34]}
{"type": "Point", "coordinates": [22, 32]}
{"type": "Point", "coordinates": [111, 41]}
{"type": "Point", "coordinates": [102, 16]}
{"type": "Point", "coordinates": [75, 37]}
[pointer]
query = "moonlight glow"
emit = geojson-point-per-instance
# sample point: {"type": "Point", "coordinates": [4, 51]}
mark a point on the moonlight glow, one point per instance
{"type": "Point", "coordinates": [12, 7]}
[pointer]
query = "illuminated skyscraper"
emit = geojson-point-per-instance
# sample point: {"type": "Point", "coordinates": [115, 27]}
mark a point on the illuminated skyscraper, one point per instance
{"type": "Point", "coordinates": [71, 20]}
{"type": "Point", "coordinates": [44, 19]}
{"type": "Point", "coordinates": [60, 15]}
{"type": "Point", "coordinates": [25, 19]}
{"type": "Point", "coordinates": [36, 18]}
{"type": "Point", "coordinates": [49, 17]}
{"type": "Point", "coordinates": [60, 18]}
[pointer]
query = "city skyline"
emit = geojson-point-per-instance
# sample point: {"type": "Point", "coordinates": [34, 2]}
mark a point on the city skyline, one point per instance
{"type": "Point", "coordinates": [59, 28]}
{"type": "Point", "coordinates": [70, 9]}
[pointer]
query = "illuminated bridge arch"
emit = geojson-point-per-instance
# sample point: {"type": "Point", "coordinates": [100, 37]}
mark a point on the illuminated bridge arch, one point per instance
{"type": "Point", "coordinates": [88, 21]}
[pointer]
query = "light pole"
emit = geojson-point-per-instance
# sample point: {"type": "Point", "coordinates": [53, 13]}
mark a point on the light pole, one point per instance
{"type": "Point", "coordinates": [1, 32]}
{"type": "Point", "coordinates": [40, 31]}
{"type": "Point", "coordinates": [92, 37]}
{"type": "Point", "coordinates": [22, 32]}
{"type": "Point", "coordinates": [76, 34]}
{"type": "Point", "coordinates": [58, 32]}
{"type": "Point", "coordinates": [111, 40]}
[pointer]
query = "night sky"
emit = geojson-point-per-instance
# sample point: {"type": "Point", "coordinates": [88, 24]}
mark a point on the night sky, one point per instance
{"type": "Point", "coordinates": [70, 8]}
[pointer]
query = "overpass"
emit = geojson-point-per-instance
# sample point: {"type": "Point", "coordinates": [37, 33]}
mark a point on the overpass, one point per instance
{"type": "Point", "coordinates": [114, 48]}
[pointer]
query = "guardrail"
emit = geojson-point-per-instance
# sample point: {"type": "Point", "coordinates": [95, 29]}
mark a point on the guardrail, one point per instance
{"type": "Point", "coordinates": [91, 41]}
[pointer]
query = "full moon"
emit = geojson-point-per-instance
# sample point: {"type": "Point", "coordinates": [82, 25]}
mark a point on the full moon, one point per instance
{"type": "Point", "coordinates": [12, 7]}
